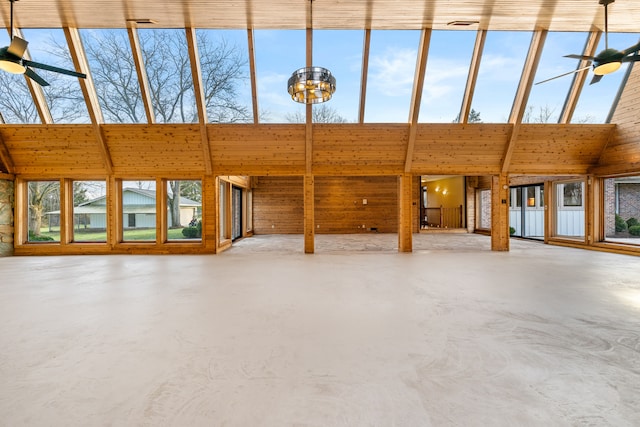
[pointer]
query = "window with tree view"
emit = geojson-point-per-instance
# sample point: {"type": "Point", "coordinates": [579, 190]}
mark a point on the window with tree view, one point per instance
{"type": "Point", "coordinates": [184, 210]}
{"type": "Point", "coordinates": [138, 211]}
{"type": "Point", "coordinates": [44, 211]}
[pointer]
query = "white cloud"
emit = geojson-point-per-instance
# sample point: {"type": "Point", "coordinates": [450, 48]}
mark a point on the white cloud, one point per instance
{"type": "Point", "coordinates": [392, 73]}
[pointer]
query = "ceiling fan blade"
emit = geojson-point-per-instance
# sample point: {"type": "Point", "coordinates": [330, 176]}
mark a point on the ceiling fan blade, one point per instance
{"type": "Point", "coordinates": [584, 57]}
{"type": "Point", "coordinates": [596, 78]}
{"type": "Point", "coordinates": [631, 58]}
{"type": "Point", "coordinates": [18, 46]}
{"type": "Point", "coordinates": [634, 48]}
{"type": "Point", "coordinates": [565, 74]}
{"type": "Point", "coordinates": [54, 69]}
{"type": "Point", "coordinates": [36, 78]}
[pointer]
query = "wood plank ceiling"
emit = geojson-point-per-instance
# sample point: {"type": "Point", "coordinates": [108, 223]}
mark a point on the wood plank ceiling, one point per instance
{"type": "Point", "coordinates": [553, 15]}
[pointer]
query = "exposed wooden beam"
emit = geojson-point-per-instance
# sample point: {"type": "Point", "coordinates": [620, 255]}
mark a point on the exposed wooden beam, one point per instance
{"type": "Point", "coordinates": [579, 78]}
{"type": "Point", "coordinates": [365, 73]}
{"type": "Point", "coordinates": [405, 211]}
{"type": "Point", "coordinates": [252, 74]}
{"type": "Point", "coordinates": [528, 74]}
{"type": "Point", "coordinates": [474, 67]}
{"type": "Point", "coordinates": [522, 94]}
{"type": "Point", "coordinates": [81, 64]}
{"type": "Point", "coordinates": [416, 97]}
{"type": "Point", "coordinates": [499, 213]}
{"type": "Point", "coordinates": [198, 90]}
{"type": "Point", "coordinates": [37, 93]}
{"type": "Point", "coordinates": [309, 110]}
{"type": "Point", "coordinates": [143, 80]}
{"type": "Point", "coordinates": [5, 157]}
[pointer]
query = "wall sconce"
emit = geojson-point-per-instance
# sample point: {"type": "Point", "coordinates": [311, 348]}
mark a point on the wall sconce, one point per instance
{"type": "Point", "coordinates": [444, 192]}
{"type": "Point", "coordinates": [531, 201]}
{"type": "Point", "coordinates": [437, 190]}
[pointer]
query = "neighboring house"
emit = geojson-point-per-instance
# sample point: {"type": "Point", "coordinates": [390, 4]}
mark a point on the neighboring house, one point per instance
{"type": "Point", "coordinates": [138, 211]}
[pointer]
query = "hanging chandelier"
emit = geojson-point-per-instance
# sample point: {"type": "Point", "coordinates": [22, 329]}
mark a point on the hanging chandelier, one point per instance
{"type": "Point", "coordinates": [311, 85]}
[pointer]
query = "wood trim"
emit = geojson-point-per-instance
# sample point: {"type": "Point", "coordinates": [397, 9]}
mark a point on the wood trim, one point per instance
{"type": "Point", "coordinates": [309, 213]}
{"type": "Point", "coordinates": [365, 74]}
{"type": "Point", "coordinates": [66, 211]}
{"type": "Point", "coordinates": [508, 155]}
{"type": "Point", "coordinates": [5, 157]}
{"type": "Point", "coordinates": [472, 78]}
{"type": "Point", "coordinates": [416, 96]}
{"type": "Point", "coordinates": [499, 213]}
{"type": "Point", "coordinates": [528, 74]}
{"type": "Point", "coordinates": [89, 92]}
{"type": "Point", "coordinates": [308, 145]}
{"type": "Point", "coordinates": [198, 91]}
{"type": "Point", "coordinates": [405, 213]}
{"type": "Point", "coordinates": [37, 93]}
{"type": "Point", "coordinates": [579, 79]}
{"type": "Point", "coordinates": [252, 75]}
{"type": "Point", "coordinates": [143, 80]}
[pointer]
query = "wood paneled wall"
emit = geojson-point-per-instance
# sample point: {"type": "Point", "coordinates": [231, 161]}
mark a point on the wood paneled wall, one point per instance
{"type": "Point", "coordinates": [622, 154]}
{"type": "Point", "coordinates": [337, 150]}
{"type": "Point", "coordinates": [339, 208]}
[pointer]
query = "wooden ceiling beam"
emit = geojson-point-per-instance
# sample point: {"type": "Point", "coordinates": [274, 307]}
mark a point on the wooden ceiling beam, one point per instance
{"type": "Point", "coordinates": [198, 91]}
{"type": "Point", "coordinates": [5, 158]}
{"type": "Point", "coordinates": [37, 93]}
{"type": "Point", "coordinates": [253, 76]}
{"type": "Point", "coordinates": [365, 73]}
{"type": "Point", "coordinates": [308, 148]}
{"type": "Point", "coordinates": [416, 96]}
{"type": "Point", "coordinates": [472, 77]}
{"type": "Point", "coordinates": [522, 94]}
{"type": "Point", "coordinates": [579, 79]}
{"type": "Point", "coordinates": [143, 80]}
{"type": "Point", "coordinates": [89, 92]}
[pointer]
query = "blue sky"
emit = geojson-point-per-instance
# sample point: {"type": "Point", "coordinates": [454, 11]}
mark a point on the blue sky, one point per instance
{"type": "Point", "coordinates": [392, 63]}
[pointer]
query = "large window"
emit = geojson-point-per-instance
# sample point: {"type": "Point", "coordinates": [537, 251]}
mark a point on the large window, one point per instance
{"type": "Point", "coordinates": [622, 210]}
{"type": "Point", "coordinates": [224, 208]}
{"type": "Point", "coordinates": [138, 210]}
{"type": "Point", "coordinates": [90, 211]}
{"type": "Point", "coordinates": [570, 209]}
{"type": "Point", "coordinates": [44, 211]}
{"type": "Point", "coordinates": [184, 210]}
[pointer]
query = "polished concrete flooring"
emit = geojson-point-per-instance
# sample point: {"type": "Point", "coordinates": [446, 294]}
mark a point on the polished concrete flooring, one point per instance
{"type": "Point", "coordinates": [354, 335]}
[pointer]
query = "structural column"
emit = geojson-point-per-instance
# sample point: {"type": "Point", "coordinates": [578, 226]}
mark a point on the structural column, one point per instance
{"type": "Point", "coordinates": [405, 199]}
{"type": "Point", "coordinates": [309, 214]}
{"type": "Point", "coordinates": [499, 213]}
{"type": "Point", "coordinates": [6, 217]}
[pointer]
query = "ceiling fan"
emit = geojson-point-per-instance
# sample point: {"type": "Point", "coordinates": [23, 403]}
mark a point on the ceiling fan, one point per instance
{"type": "Point", "coordinates": [12, 61]}
{"type": "Point", "coordinates": [607, 61]}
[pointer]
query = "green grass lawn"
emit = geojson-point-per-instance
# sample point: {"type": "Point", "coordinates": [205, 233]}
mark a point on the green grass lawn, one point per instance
{"type": "Point", "coordinates": [101, 236]}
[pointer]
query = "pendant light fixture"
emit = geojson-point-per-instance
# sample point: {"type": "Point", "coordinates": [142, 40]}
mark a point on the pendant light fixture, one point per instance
{"type": "Point", "coordinates": [311, 85]}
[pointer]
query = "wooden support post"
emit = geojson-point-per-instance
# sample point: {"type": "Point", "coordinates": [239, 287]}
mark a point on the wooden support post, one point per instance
{"type": "Point", "coordinates": [499, 213]}
{"type": "Point", "coordinates": [405, 199]}
{"type": "Point", "coordinates": [309, 214]}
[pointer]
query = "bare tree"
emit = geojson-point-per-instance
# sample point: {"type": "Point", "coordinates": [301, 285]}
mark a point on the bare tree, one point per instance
{"type": "Point", "coordinates": [41, 194]}
{"type": "Point", "coordinates": [320, 114]}
{"type": "Point", "coordinates": [544, 114]}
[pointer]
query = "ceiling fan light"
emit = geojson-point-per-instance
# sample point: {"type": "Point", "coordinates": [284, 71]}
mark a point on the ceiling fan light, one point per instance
{"type": "Point", "coordinates": [14, 67]}
{"type": "Point", "coordinates": [606, 68]}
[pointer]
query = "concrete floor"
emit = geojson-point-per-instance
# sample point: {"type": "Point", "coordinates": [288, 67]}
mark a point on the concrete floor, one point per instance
{"type": "Point", "coordinates": [354, 335]}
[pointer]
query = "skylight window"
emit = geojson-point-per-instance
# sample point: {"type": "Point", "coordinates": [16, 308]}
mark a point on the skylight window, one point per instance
{"type": "Point", "coordinates": [499, 75]}
{"type": "Point", "coordinates": [224, 64]}
{"type": "Point", "coordinates": [340, 52]}
{"type": "Point", "coordinates": [166, 61]}
{"type": "Point", "coordinates": [114, 75]}
{"type": "Point", "coordinates": [446, 76]}
{"type": "Point", "coordinates": [278, 54]}
{"type": "Point", "coordinates": [547, 99]}
{"type": "Point", "coordinates": [63, 94]}
{"type": "Point", "coordinates": [392, 66]}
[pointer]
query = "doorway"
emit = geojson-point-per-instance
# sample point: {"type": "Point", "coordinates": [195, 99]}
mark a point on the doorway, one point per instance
{"type": "Point", "coordinates": [236, 209]}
